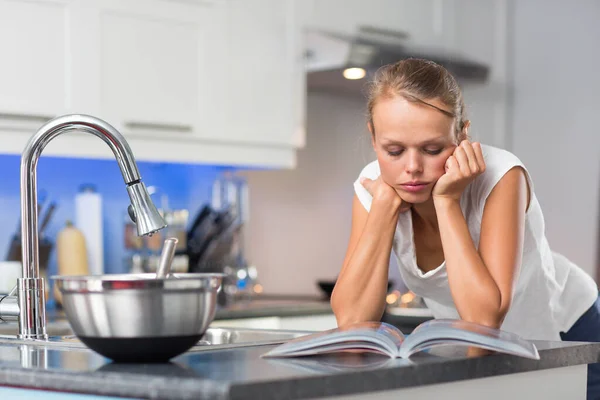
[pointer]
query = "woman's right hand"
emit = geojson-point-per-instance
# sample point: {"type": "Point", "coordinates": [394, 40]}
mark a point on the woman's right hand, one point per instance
{"type": "Point", "coordinates": [382, 192]}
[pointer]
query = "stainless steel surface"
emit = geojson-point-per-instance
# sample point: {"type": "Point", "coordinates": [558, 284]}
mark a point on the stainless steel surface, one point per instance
{"type": "Point", "coordinates": [32, 303]}
{"type": "Point", "coordinates": [166, 258]}
{"type": "Point", "coordinates": [10, 308]}
{"type": "Point", "coordinates": [54, 329]}
{"type": "Point", "coordinates": [213, 338]}
{"type": "Point", "coordinates": [249, 337]}
{"type": "Point", "coordinates": [104, 283]}
{"type": "Point", "coordinates": [146, 216]}
{"type": "Point", "coordinates": [33, 356]}
{"type": "Point", "coordinates": [139, 305]}
{"type": "Point", "coordinates": [32, 310]}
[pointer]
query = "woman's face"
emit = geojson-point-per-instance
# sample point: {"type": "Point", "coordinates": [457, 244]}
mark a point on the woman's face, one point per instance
{"type": "Point", "coordinates": [412, 142]}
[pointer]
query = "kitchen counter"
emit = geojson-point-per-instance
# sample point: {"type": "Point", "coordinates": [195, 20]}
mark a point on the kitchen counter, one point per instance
{"type": "Point", "coordinates": [274, 306]}
{"type": "Point", "coordinates": [241, 372]}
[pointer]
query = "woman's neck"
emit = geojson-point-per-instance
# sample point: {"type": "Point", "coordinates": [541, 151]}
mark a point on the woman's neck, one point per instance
{"type": "Point", "coordinates": [426, 213]}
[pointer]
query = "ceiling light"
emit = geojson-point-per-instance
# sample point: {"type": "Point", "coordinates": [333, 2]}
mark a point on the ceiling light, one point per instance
{"type": "Point", "coordinates": [354, 73]}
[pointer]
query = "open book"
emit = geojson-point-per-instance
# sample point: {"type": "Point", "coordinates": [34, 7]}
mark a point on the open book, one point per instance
{"type": "Point", "coordinates": [383, 338]}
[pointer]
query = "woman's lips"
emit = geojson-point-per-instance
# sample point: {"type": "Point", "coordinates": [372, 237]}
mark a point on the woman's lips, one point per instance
{"type": "Point", "coordinates": [414, 186]}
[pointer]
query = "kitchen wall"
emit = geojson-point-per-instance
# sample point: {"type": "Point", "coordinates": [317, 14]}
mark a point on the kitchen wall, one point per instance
{"type": "Point", "coordinates": [188, 186]}
{"type": "Point", "coordinates": [300, 219]}
{"type": "Point", "coordinates": [555, 130]}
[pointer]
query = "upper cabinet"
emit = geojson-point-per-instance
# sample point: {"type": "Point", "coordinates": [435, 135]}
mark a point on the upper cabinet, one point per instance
{"type": "Point", "coordinates": [209, 81]}
{"type": "Point", "coordinates": [265, 72]}
{"type": "Point", "coordinates": [35, 50]}
{"type": "Point", "coordinates": [426, 22]}
{"type": "Point", "coordinates": [160, 67]}
{"type": "Point", "coordinates": [206, 81]}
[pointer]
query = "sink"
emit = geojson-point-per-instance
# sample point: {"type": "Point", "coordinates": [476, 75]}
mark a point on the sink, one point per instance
{"type": "Point", "coordinates": [61, 335]}
{"type": "Point", "coordinates": [236, 337]}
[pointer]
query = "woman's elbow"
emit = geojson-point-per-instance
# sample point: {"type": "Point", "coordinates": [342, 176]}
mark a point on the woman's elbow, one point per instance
{"type": "Point", "coordinates": [344, 319]}
{"type": "Point", "coordinates": [503, 310]}
{"type": "Point", "coordinates": [493, 318]}
{"type": "Point", "coordinates": [342, 312]}
{"type": "Point", "coordinates": [338, 309]}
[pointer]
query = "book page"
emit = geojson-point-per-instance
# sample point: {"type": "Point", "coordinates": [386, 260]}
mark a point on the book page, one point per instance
{"type": "Point", "coordinates": [449, 331]}
{"type": "Point", "coordinates": [367, 336]}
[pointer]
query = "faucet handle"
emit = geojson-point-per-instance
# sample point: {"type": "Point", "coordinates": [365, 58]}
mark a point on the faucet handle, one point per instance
{"type": "Point", "coordinates": [131, 213]}
{"type": "Point", "coordinates": [142, 210]}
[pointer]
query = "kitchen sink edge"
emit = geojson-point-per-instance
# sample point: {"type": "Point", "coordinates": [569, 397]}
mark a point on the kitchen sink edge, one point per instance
{"type": "Point", "coordinates": [60, 336]}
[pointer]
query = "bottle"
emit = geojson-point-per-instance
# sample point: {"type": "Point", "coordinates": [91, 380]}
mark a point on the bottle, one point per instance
{"type": "Point", "coordinates": [88, 219]}
{"type": "Point", "coordinates": [71, 254]}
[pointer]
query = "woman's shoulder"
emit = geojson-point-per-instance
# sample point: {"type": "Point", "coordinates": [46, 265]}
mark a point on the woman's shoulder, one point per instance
{"type": "Point", "coordinates": [496, 157]}
{"type": "Point", "coordinates": [497, 163]}
{"type": "Point", "coordinates": [371, 171]}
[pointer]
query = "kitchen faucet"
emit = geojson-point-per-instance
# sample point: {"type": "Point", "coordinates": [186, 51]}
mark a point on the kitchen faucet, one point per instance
{"type": "Point", "coordinates": [29, 306]}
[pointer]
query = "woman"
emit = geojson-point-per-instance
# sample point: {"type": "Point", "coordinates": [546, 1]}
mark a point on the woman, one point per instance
{"type": "Point", "coordinates": [461, 218]}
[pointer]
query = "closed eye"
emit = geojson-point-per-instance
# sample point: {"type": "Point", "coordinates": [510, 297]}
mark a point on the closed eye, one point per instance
{"type": "Point", "coordinates": [433, 152]}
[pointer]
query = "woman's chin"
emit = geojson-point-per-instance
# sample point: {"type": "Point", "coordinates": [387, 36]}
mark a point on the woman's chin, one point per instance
{"type": "Point", "coordinates": [414, 198]}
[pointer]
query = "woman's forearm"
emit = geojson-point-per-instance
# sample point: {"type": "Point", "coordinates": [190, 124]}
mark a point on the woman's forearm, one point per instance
{"type": "Point", "coordinates": [359, 293]}
{"type": "Point", "coordinates": [475, 293]}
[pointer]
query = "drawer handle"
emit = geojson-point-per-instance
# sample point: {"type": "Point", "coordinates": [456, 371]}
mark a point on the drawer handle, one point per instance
{"type": "Point", "coordinates": [25, 117]}
{"type": "Point", "coordinates": [154, 126]}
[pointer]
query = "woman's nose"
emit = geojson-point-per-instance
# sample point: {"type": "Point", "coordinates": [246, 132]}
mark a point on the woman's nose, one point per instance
{"type": "Point", "coordinates": [414, 163]}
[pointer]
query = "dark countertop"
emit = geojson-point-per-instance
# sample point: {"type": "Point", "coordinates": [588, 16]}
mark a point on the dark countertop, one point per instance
{"type": "Point", "coordinates": [274, 306]}
{"type": "Point", "coordinates": [241, 373]}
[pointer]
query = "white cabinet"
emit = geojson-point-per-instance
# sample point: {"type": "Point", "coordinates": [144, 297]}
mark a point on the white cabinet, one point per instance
{"type": "Point", "coordinates": [34, 43]}
{"type": "Point", "coordinates": [333, 25]}
{"type": "Point", "coordinates": [210, 81]}
{"type": "Point", "coordinates": [159, 67]}
{"type": "Point", "coordinates": [481, 30]}
{"type": "Point", "coordinates": [482, 34]}
{"type": "Point", "coordinates": [265, 72]}
{"type": "Point", "coordinates": [423, 20]}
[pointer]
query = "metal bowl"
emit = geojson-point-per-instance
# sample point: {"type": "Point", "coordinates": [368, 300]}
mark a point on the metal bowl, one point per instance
{"type": "Point", "coordinates": [136, 317]}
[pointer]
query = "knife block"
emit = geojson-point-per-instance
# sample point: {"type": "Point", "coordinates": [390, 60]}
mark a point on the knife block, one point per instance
{"type": "Point", "coordinates": [15, 251]}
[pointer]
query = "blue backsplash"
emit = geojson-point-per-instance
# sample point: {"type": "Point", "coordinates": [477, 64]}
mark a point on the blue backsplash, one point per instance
{"type": "Point", "coordinates": [187, 186]}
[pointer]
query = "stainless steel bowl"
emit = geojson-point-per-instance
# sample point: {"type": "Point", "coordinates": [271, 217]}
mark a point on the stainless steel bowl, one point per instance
{"type": "Point", "coordinates": [136, 317]}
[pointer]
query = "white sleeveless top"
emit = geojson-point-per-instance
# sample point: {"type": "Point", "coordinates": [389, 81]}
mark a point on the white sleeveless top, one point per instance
{"type": "Point", "coordinates": [551, 292]}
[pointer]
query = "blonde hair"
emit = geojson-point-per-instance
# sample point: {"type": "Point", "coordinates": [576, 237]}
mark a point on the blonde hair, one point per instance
{"type": "Point", "coordinates": [419, 80]}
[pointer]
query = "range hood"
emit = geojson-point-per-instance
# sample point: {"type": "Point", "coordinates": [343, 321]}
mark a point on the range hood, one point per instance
{"type": "Point", "coordinates": [329, 54]}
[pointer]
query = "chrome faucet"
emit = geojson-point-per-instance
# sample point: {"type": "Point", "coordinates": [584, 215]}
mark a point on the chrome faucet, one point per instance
{"type": "Point", "coordinates": [29, 306]}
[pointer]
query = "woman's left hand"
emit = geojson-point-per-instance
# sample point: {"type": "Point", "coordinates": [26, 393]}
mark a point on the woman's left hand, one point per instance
{"type": "Point", "coordinates": [462, 167]}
